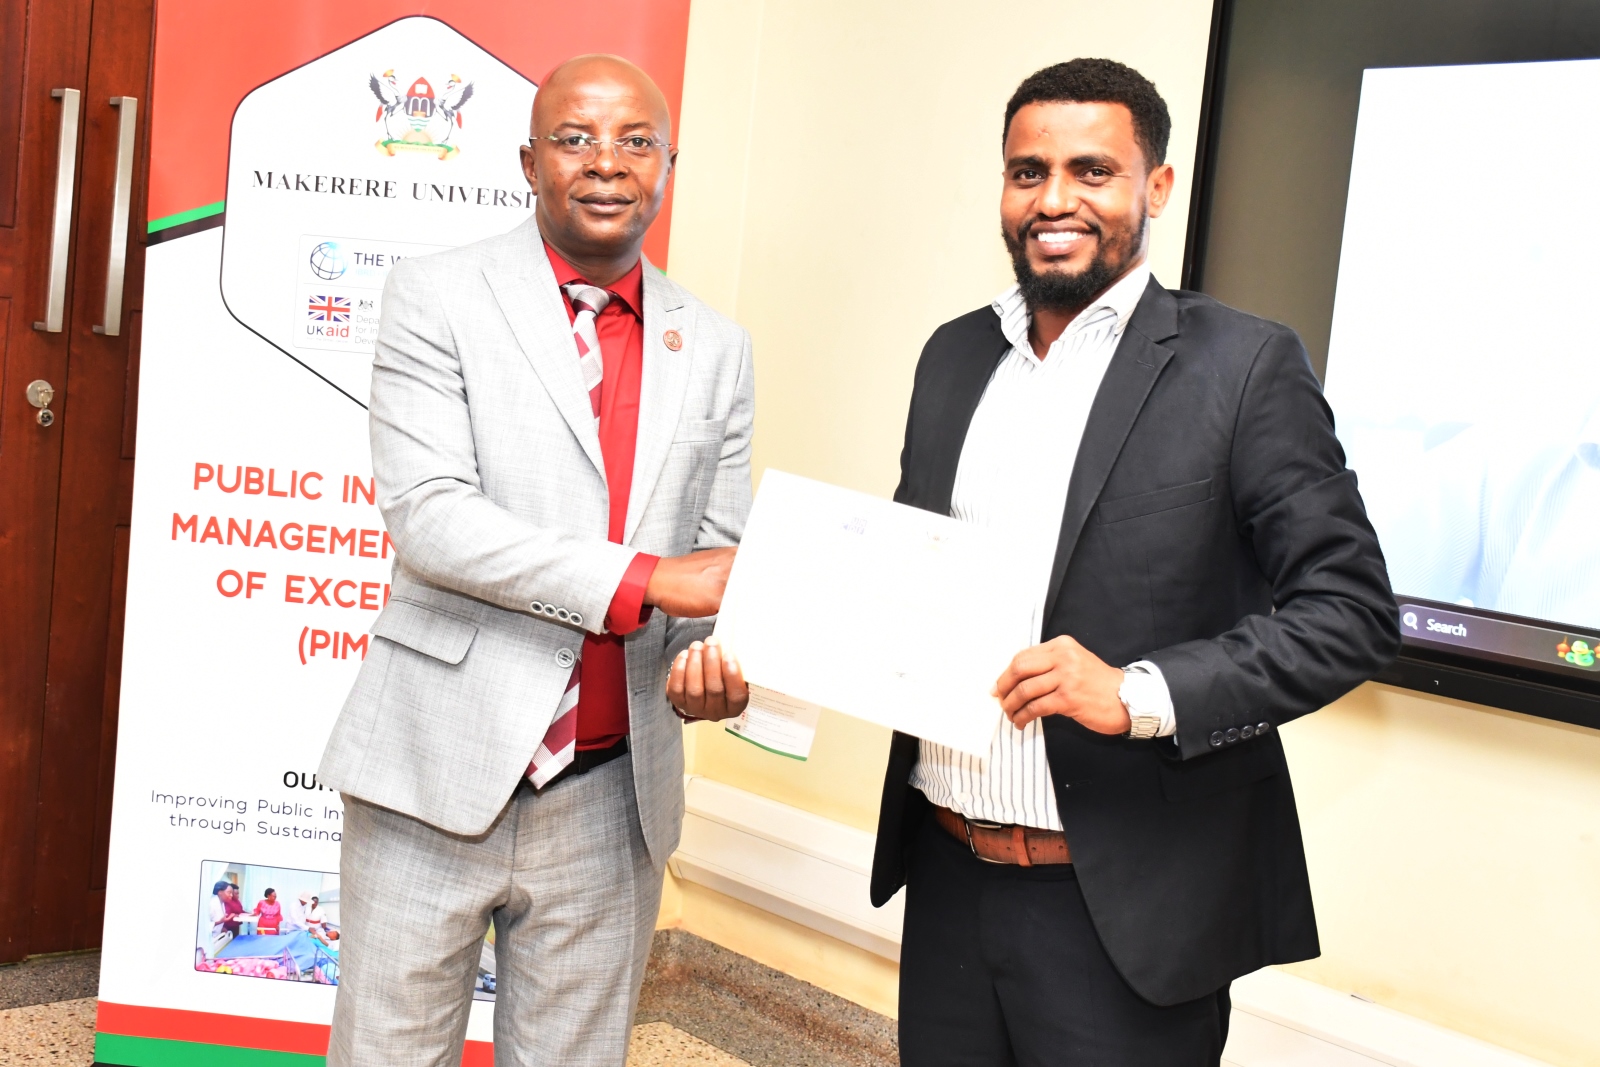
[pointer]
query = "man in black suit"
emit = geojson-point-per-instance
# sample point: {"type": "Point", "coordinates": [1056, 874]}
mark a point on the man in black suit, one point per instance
{"type": "Point", "coordinates": [1207, 573]}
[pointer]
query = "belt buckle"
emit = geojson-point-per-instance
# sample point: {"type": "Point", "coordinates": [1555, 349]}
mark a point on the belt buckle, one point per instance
{"type": "Point", "coordinates": [967, 824]}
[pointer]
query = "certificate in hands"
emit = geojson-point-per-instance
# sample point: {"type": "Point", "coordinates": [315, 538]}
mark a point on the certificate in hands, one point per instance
{"type": "Point", "coordinates": [877, 610]}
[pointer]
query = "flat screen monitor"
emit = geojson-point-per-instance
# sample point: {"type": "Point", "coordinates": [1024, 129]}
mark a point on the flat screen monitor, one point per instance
{"type": "Point", "coordinates": [1431, 225]}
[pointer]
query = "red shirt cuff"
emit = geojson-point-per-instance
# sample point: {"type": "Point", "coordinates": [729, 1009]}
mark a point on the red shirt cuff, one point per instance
{"type": "Point", "coordinates": [628, 612]}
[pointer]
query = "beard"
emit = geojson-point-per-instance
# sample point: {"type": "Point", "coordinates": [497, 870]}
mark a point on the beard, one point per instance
{"type": "Point", "coordinates": [1061, 291]}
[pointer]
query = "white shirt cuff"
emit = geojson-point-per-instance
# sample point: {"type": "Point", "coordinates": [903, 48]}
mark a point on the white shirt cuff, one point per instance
{"type": "Point", "coordinates": [1145, 692]}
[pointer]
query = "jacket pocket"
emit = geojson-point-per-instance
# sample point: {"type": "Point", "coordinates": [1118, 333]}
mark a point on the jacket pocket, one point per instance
{"type": "Point", "coordinates": [433, 633]}
{"type": "Point", "coordinates": [700, 431]}
{"type": "Point", "coordinates": [1132, 507]}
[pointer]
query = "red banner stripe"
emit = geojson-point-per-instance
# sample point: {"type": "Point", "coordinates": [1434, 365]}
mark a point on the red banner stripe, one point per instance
{"type": "Point", "coordinates": [241, 1031]}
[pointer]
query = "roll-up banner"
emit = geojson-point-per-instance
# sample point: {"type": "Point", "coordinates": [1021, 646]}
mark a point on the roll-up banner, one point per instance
{"type": "Point", "coordinates": [297, 150]}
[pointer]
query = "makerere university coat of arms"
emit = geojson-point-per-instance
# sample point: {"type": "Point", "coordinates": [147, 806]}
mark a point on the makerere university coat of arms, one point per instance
{"type": "Point", "coordinates": [416, 120]}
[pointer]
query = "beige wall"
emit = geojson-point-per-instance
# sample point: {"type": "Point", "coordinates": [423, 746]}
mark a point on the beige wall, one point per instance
{"type": "Point", "coordinates": [1455, 860]}
{"type": "Point", "coordinates": [837, 193]}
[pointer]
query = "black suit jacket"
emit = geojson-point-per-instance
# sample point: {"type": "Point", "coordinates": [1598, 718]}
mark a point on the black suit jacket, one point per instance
{"type": "Point", "coordinates": [1212, 527]}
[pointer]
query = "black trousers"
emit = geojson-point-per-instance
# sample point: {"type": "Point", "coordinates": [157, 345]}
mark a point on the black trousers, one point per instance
{"type": "Point", "coordinates": [1001, 965]}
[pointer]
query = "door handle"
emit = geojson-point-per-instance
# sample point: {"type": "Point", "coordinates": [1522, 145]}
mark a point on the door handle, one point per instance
{"type": "Point", "coordinates": [121, 202]}
{"type": "Point", "coordinates": [55, 303]}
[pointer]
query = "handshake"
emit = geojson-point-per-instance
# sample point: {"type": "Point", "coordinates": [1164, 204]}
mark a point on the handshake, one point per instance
{"type": "Point", "coordinates": [705, 682]}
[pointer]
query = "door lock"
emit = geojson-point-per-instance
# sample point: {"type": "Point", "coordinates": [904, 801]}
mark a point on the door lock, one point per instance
{"type": "Point", "coordinates": [40, 393]}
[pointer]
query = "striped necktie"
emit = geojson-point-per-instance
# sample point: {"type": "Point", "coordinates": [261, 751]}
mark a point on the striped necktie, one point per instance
{"type": "Point", "coordinates": [560, 742]}
{"type": "Point", "coordinates": [587, 303]}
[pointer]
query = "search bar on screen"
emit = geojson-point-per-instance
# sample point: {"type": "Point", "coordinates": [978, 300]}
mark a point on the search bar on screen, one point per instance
{"type": "Point", "coordinates": [1536, 644]}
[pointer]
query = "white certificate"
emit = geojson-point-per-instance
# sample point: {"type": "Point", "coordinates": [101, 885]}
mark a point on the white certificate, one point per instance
{"type": "Point", "coordinates": [877, 610]}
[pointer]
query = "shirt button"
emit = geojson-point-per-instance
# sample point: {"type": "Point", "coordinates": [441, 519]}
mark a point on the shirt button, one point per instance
{"type": "Point", "coordinates": [1232, 735]}
{"type": "Point", "coordinates": [565, 659]}
{"type": "Point", "coordinates": [1216, 739]}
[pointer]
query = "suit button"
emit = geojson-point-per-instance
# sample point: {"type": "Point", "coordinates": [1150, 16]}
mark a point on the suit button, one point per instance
{"type": "Point", "coordinates": [1232, 735]}
{"type": "Point", "coordinates": [565, 659]}
{"type": "Point", "coordinates": [1247, 731]}
{"type": "Point", "coordinates": [577, 620]}
{"type": "Point", "coordinates": [563, 614]}
{"type": "Point", "coordinates": [537, 607]}
{"type": "Point", "coordinates": [1216, 739]}
{"type": "Point", "coordinates": [1263, 727]}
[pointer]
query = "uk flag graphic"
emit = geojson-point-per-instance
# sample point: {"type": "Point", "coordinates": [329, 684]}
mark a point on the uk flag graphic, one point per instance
{"type": "Point", "coordinates": [328, 309]}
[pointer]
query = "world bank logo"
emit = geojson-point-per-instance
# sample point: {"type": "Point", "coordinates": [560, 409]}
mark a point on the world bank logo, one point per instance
{"type": "Point", "coordinates": [327, 262]}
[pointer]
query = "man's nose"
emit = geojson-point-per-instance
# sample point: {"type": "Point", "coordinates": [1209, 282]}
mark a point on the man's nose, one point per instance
{"type": "Point", "coordinates": [607, 161]}
{"type": "Point", "coordinates": [1058, 195]}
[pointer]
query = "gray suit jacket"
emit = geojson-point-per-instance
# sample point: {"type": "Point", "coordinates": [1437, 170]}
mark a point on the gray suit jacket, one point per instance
{"type": "Point", "coordinates": [490, 478]}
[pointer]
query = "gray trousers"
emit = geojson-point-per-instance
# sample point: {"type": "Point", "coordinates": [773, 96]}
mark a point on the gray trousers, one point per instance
{"type": "Point", "coordinates": [567, 882]}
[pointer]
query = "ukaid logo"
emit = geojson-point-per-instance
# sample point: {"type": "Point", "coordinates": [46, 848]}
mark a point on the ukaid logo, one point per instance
{"type": "Point", "coordinates": [339, 286]}
{"type": "Point", "coordinates": [329, 316]}
{"type": "Point", "coordinates": [416, 120]}
{"type": "Point", "coordinates": [329, 308]}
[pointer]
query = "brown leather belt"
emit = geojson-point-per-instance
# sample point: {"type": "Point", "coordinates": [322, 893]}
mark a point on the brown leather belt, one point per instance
{"type": "Point", "coordinates": [994, 843]}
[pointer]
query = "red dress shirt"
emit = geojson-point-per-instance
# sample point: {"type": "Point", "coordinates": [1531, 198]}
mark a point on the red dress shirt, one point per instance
{"type": "Point", "coordinates": [603, 690]}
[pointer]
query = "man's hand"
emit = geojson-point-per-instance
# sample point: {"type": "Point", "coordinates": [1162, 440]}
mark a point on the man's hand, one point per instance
{"type": "Point", "coordinates": [706, 684]}
{"type": "Point", "coordinates": [690, 587]}
{"type": "Point", "coordinates": [1061, 677]}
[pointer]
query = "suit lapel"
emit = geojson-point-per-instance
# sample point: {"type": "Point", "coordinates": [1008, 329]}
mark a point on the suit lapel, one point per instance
{"type": "Point", "coordinates": [952, 418]}
{"type": "Point", "coordinates": [525, 288]}
{"type": "Point", "coordinates": [662, 387]}
{"type": "Point", "coordinates": [1129, 378]}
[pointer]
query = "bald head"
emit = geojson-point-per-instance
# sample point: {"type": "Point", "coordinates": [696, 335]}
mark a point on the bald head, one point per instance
{"type": "Point", "coordinates": [584, 83]}
{"type": "Point", "coordinates": [598, 160]}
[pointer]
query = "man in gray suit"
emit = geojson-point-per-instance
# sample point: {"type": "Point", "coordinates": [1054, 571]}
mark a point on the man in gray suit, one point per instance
{"type": "Point", "coordinates": [561, 440]}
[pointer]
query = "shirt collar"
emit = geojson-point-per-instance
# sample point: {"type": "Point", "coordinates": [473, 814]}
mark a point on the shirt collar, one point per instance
{"type": "Point", "coordinates": [1119, 299]}
{"type": "Point", "coordinates": [629, 288]}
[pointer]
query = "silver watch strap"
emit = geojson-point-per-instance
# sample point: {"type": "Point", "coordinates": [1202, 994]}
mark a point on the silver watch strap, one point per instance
{"type": "Point", "coordinates": [1140, 727]}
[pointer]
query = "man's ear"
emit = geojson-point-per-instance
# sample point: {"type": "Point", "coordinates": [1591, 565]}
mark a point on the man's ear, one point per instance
{"type": "Point", "coordinates": [1158, 189]}
{"type": "Point", "coordinates": [530, 166]}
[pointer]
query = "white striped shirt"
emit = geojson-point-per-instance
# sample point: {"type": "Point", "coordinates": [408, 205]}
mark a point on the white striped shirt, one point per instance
{"type": "Point", "coordinates": [1015, 465]}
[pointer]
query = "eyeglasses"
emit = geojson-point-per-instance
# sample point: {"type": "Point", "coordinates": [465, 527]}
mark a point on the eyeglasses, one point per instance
{"type": "Point", "coordinates": [582, 148]}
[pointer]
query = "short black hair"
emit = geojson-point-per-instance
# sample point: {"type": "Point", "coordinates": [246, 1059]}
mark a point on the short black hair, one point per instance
{"type": "Point", "coordinates": [1100, 81]}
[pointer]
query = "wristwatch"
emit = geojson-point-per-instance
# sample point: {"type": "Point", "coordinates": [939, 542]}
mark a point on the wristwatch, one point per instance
{"type": "Point", "coordinates": [1141, 726]}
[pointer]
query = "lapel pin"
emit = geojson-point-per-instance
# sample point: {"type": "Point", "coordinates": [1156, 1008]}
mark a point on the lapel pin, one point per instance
{"type": "Point", "coordinates": [673, 340]}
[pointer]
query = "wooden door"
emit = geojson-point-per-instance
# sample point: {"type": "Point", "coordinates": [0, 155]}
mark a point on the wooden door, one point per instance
{"type": "Point", "coordinates": [65, 480]}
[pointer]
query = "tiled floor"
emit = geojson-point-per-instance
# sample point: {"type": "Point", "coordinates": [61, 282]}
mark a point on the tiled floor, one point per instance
{"type": "Point", "coordinates": [61, 1033]}
{"type": "Point", "coordinates": [664, 1045]}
